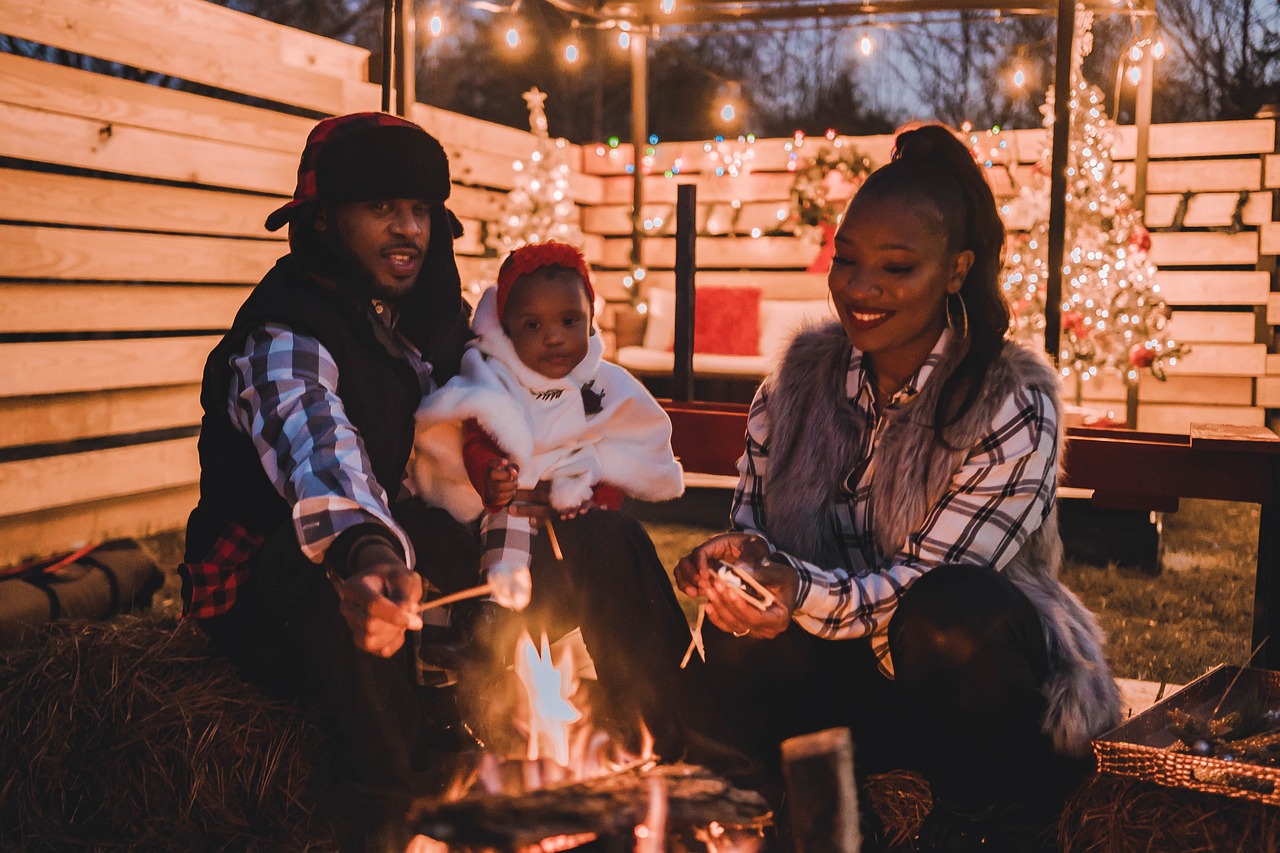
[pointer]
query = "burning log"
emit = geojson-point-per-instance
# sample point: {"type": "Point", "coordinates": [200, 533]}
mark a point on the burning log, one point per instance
{"type": "Point", "coordinates": [613, 808]}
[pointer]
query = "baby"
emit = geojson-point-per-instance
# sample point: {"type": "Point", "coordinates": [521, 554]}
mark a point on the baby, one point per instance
{"type": "Point", "coordinates": [537, 419]}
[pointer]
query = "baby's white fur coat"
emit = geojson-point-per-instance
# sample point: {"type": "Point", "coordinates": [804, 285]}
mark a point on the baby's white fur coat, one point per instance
{"type": "Point", "coordinates": [541, 425]}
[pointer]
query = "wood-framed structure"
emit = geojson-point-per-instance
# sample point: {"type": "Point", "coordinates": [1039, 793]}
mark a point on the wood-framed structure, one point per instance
{"type": "Point", "coordinates": [646, 18]}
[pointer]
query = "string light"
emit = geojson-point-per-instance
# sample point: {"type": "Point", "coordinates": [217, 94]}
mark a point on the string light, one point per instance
{"type": "Point", "coordinates": [668, 6]}
{"type": "Point", "coordinates": [1134, 74]}
{"type": "Point", "coordinates": [865, 45]}
{"type": "Point", "coordinates": [1157, 50]}
{"type": "Point", "coordinates": [435, 25]}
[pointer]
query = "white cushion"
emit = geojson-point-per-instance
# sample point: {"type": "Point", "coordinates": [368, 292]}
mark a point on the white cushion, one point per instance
{"type": "Point", "coordinates": [660, 321]}
{"type": "Point", "coordinates": [650, 362]}
{"type": "Point", "coordinates": [780, 319]}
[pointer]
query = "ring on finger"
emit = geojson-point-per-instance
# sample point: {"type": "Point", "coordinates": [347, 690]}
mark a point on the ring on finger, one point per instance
{"type": "Point", "coordinates": [743, 634]}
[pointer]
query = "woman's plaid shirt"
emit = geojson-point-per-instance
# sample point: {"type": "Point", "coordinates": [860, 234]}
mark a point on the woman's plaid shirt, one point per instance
{"type": "Point", "coordinates": [1002, 492]}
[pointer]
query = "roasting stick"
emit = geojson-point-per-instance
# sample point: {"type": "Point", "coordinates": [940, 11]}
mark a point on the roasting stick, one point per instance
{"type": "Point", "coordinates": [696, 642]}
{"type": "Point", "coordinates": [555, 543]}
{"type": "Point", "coordinates": [510, 588]}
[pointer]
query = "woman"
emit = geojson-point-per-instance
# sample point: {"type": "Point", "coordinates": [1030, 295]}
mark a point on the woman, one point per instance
{"type": "Point", "coordinates": [897, 497]}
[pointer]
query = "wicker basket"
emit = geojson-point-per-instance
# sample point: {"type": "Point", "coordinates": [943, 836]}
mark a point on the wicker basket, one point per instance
{"type": "Point", "coordinates": [1144, 747]}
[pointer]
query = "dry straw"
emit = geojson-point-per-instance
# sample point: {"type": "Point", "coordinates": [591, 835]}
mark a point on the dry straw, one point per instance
{"type": "Point", "coordinates": [129, 734]}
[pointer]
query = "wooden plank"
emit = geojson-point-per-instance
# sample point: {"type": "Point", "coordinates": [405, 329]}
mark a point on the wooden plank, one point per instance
{"type": "Point", "coordinates": [1273, 365]}
{"type": "Point", "coordinates": [756, 186]}
{"type": "Point", "coordinates": [53, 367]}
{"type": "Point", "coordinates": [91, 144]}
{"type": "Point", "coordinates": [1214, 287]}
{"type": "Point", "coordinates": [1257, 441]}
{"type": "Point", "coordinates": [111, 100]}
{"type": "Point", "coordinates": [1199, 139]}
{"type": "Point", "coordinates": [1212, 326]}
{"type": "Point", "coordinates": [1178, 419]}
{"type": "Point", "coordinates": [37, 484]}
{"type": "Point", "coordinates": [50, 418]}
{"type": "Point", "coordinates": [53, 253]}
{"type": "Point", "coordinates": [1221, 360]}
{"type": "Point", "coordinates": [1269, 241]}
{"type": "Point", "coordinates": [722, 252]}
{"type": "Point", "coordinates": [1207, 210]}
{"type": "Point", "coordinates": [1271, 171]}
{"type": "Point", "coordinates": [302, 49]}
{"type": "Point", "coordinates": [716, 218]}
{"type": "Point", "coordinates": [1207, 390]}
{"type": "Point", "coordinates": [116, 308]}
{"type": "Point", "coordinates": [1202, 248]}
{"type": "Point", "coordinates": [1273, 309]}
{"type": "Point", "coordinates": [45, 197]}
{"type": "Point", "coordinates": [234, 51]}
{"type": "Point", "coordinates": [1269, 392]}
{"type": "Point", "coordinates": [44, 534]}
{"type": "Point", "coordinates": [461, 131]}
{"type": "Point", "coordinates": [1177, 176]}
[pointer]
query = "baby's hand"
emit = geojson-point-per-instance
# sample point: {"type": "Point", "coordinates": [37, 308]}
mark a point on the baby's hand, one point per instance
{"type": "Point", "coordinates": [500, 484]}
{"type": "Point", "coordinates": [576, 511]}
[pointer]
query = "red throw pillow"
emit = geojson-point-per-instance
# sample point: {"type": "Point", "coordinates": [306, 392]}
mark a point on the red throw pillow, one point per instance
{"type": "Point", "coordinates": [726, 321]}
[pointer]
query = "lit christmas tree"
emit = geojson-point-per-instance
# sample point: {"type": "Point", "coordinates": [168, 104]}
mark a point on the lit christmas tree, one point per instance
{"type": "Point", "coordinates": [540, 205]}
{"type": "Point", "coordinates": [1113, 316]}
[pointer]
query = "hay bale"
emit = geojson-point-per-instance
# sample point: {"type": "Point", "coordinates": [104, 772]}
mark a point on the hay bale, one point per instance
{"type": "Point", "coordinates": [1112, 814]}
{"type": "Point", "coordinates": [131, 734]}
{"type": "Point", "coordinates": [901, 799]}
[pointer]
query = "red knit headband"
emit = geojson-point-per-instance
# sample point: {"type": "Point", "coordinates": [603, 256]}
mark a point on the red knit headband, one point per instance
{"type": "Point", "coordinates": [535, 256]}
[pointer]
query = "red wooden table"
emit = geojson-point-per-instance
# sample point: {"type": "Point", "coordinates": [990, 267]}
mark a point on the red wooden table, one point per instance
{"type": "Point", "coordinates": [1125, 470]}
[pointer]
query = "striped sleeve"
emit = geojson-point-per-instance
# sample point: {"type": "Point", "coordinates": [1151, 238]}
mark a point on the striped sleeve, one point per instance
{"type": "Point", "coordinates": [747, 510]}
{"type": "Point", "coordinates": [284, 397]}
{"type": "Point", "coordinates": [1003, 491]}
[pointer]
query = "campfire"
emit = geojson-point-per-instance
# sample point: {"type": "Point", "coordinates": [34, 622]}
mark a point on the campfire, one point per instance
{"type": "Point", "coordinates": [565, 780]}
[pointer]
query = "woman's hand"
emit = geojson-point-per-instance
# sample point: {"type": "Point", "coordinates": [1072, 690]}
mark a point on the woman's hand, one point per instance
{"type": "Point", "coordinates": [695, 576]}
{"type": "Point", "coordinates": [379, 601]}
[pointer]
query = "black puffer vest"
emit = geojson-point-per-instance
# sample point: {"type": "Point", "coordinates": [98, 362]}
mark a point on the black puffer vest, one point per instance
{"type": "Point", "coordinates": [379, 390]}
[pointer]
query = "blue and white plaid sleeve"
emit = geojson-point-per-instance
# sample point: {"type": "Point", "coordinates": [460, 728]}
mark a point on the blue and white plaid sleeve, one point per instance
{"type": "Point", "coordinates": [998, 497]}
{"type": "Point", "coordinates": [284, 397]}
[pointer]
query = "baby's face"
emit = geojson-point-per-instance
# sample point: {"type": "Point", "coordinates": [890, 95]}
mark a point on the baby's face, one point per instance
{"type": "Point", "coordinates": [548, 319]}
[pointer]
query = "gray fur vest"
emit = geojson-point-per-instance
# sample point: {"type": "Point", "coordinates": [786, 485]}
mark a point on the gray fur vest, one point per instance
{"type": "Point", "coordinates": [814, 441]}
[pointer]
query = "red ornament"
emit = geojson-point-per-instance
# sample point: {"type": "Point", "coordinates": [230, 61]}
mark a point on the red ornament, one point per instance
{"type": "Point", "coordinates": [1073, 322]}
{"type": "Point", "coordinates": [1140, 240]}
{"type": "Point", "coordinates": [1141, 356]}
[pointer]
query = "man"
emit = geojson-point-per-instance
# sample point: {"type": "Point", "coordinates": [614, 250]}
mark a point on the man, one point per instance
{"type": "Point", "coordinates": [306, 558]}
{"type": "Point", "coordinates": [308, 425]}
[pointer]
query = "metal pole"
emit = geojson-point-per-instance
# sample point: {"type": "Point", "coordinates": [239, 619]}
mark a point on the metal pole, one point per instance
{"type": "Point", "coordinates": [388, 51]}
{"type": "Point", "coordinates": [1142, 114]}
{"type": "Point", "coordinates": [406, 59]}
{"type": "Point", "coordinates": [686, 267]}
{"type": "Point", "coordinates": [639, 139]}
{"type": "Point", "coordinates": [1058, 178]}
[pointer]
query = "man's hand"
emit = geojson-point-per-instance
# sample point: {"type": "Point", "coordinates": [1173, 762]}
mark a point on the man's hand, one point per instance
{"type": "Point", "coordinates": [380, 599]}
{"type": "Point", "coordinates": [500, 482]}
{"type": "Point", "coordinates": [696, 576]}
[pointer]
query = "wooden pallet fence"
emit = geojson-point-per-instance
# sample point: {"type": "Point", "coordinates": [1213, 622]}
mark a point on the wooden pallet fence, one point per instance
{"type": "Point", "coordinates": [134, 229]}
{"type": "Point", "coordinates": [1209, 205]}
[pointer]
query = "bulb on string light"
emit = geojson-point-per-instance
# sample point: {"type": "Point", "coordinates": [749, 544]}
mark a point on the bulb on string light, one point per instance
{"type": "Point", "coordinates": [1019, 78]}
{"type": "Point", "coordinates": [668, 6]}
{"type": "Point", "coordinates": [571, 53]}
{"type": "Point", "coordinates": [1157, 50]}
{"type": "Point", "coordinates": [727, 112]}
{"type": "Point", "coordinates": [624, 40]}
{"type": "Point", "coordinates": [1134, 74]}
{"type": "Point", "coordinates": [512, 37]}
{"type": "Point", "coordinates": [435, 25]}
{"type": "Point", "coordinates": [865, 45]}
{"type": "Point", "coordinates": [1135, 53]}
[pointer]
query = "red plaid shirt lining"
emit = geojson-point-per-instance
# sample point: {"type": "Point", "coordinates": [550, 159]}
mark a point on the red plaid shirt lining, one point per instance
{"type": "Point", "coordinates": [215, 579]}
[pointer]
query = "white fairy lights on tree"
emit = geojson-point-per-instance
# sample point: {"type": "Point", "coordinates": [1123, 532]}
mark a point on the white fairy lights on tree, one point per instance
{"type": "Point", "coordinates": [540, 206]}
{"type": "Point", "coordinates": [1113, 317]}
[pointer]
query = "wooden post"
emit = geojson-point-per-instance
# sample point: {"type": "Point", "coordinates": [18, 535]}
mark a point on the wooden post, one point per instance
{"type": "Point", "coordinates": [1058, 178]}
{"type": "Point", "coordinates": [686, 267]}
{"type": "Point", "coordinates": [388, 51]}
{"type": "Point", "coordinates": [1142, 114]}
{"type": "Point", "coordinates": [639, 139]}
{"type": "Point", "coordinates": [818, 770]}
{"type": "Point", "coordinates": [406, 58]}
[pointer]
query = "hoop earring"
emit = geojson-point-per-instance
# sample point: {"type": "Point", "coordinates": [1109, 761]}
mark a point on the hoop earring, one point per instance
{"type": "Point", "coordinates": [964, 316]}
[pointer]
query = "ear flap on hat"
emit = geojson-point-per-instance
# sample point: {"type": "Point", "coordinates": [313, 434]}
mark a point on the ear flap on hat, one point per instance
{"type": "Point", "coordinates": [455, 224]}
